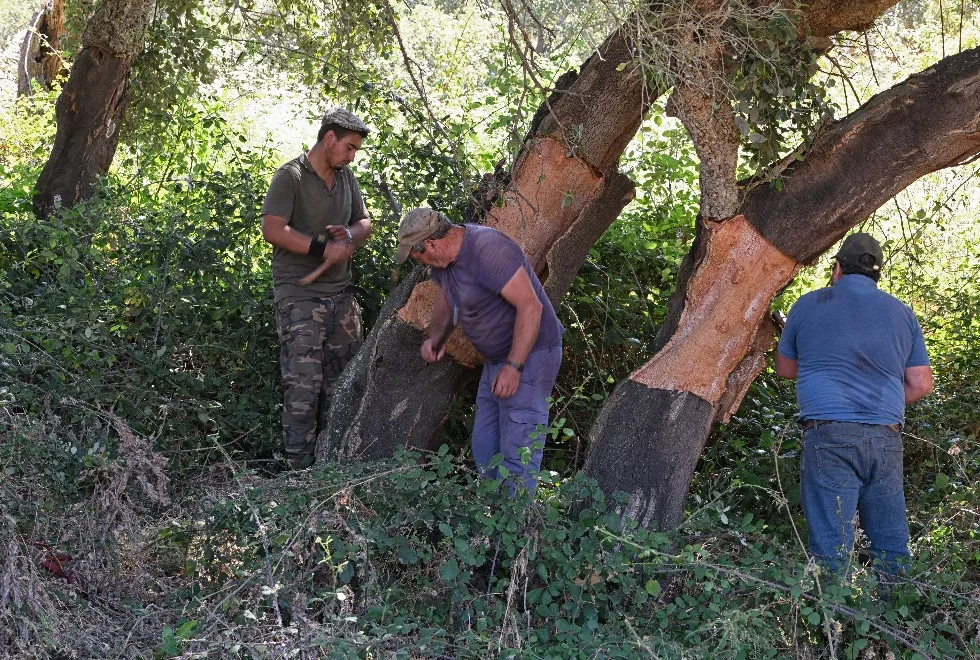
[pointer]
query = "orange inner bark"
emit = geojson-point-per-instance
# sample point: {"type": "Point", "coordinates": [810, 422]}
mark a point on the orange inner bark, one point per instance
{"type": "Point", "coordinates": [548, 192]}
{"type": "Point", "coordinates": [417, 311]}
{"type": "Point", "coordinates": [727, 297]}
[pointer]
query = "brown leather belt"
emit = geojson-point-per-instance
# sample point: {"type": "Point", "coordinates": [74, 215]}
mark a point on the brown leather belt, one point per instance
{"type": "Point", "coordinates": [810, 423]}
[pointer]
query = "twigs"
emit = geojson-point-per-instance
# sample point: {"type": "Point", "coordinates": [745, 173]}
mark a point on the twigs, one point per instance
{"type": "Point", "coordinates": [818, 599]}
{"type": "Point", "coordinates": [411, 67]}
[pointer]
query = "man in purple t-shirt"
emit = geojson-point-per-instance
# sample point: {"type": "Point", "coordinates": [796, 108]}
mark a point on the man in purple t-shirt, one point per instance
{"type": "Point", "coordinates": [487, 287]}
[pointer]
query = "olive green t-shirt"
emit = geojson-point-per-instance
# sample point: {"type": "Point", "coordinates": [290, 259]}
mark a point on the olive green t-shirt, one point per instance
{"type": "Point", "coordinates": [298, 194]}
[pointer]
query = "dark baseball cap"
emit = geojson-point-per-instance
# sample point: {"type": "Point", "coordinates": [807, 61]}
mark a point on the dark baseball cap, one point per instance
{"type": "Point", "coordinates": [856, 246]}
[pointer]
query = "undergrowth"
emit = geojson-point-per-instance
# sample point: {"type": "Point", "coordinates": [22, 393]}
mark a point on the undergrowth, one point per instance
{"type": "Point", "coordinates": [417, 557]}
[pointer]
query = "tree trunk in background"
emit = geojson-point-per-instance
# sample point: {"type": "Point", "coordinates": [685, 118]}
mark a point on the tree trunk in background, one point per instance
{"type": "Point", "coordinates": [562, 193]}
{"type": "Point", "coordinates": [92, 103]}
{"type": "Point", "coordinates": [651, 432]}
{"type": "Point", "coordinates": [40, 59]}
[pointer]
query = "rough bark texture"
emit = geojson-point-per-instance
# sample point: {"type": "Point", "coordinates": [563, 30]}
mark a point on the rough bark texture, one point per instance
{"type": "Point", "coordinates": [561, 194]}
{"type": "Point", "coordinates": [379, 405]}
{"type": "Point", "coordinates": [716, 332]}
{"type": "Point", "coordinates": [39, 59]}
{"type": "Point", "coordinates": [710, 121]}
{"type": "Point", "coordinates": [924, 124]}
{"type": "Point", "coordinates": [92, 103]}
{"type": "Point", "coordinates": [825, 18]}
{"type": "Point", "coordinates": [703, 103]}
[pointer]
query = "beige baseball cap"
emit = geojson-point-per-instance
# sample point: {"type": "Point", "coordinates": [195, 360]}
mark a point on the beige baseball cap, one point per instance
{"type": "Point", "coordinates": [417, 225]}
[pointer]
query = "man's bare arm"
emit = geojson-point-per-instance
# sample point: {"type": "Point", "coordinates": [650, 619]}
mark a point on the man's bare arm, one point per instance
{"type": "Point", "coordinates": [527, 321]}
{"type": "Point", "coordinates": [276, 230]}
{"type": "Point", "coordinates": [918, 383]}
{"type": "Point", "coordinates": [520, 293]}
{"type": "Point", "coordinates": [786, 367]}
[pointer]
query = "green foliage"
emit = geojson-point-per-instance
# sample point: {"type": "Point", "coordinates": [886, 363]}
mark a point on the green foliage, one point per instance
{"type": "Point", "coordinates": [14, 17]}
{"type": "Point", "coordinates": [151, 304]}
{"type": "Point", "coordinates": [417, 553]}
{"type": "Point", "coordinates": [778, 102]}
{"type": "Point", "coordinates": [150, 301]}
{"type": "Point", "coordinates": [25, 139]}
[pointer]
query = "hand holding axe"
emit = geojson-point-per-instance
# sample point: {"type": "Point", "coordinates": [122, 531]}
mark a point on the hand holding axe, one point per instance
{"type": "Point", "coordinates": [339, 248]}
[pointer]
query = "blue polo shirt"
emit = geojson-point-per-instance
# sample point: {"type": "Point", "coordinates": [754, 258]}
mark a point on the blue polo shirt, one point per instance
{"type": "Point", "coordinates": [853, 343]}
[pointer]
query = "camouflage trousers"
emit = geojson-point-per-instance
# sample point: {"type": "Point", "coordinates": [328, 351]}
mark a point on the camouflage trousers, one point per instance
{"type": "Point", "coordinates": [317, 338]}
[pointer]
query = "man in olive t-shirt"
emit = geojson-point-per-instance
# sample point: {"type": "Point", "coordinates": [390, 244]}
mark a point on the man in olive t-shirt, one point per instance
{"type": "Point", "coordinates": [314, 215]}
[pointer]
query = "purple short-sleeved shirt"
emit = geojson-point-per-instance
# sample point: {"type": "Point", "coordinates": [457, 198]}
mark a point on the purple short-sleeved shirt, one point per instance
{"type": "Point", "coordinates": [487, 260]}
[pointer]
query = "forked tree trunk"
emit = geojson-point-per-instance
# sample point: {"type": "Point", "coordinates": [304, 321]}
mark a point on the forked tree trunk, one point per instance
{"type": "Point", "coordinates": [90, 108]}
{"type": "Point", "coordinates": [562, 193]}
{"type": "Point", "coordinates": [651, 432]}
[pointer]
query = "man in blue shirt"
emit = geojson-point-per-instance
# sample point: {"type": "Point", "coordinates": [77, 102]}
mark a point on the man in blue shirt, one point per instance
{"type": "Point", "coordinates": [858, 357]}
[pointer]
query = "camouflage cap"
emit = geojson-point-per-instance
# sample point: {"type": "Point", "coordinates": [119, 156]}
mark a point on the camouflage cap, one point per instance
{"type": "Point", "coordinates": [417, 225]}
{"type": "Point", "coordinates": [858, 245]}
{"type": "Point", "coordinates": [344, 119]}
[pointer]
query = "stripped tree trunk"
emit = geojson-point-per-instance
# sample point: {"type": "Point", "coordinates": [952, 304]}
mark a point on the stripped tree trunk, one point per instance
{"type": "Point", "coordinates": [92, 103]}
{"type": "Point", "coordinates": [651, 432]}
{"type": "Point", "coordinates": [563, 191]}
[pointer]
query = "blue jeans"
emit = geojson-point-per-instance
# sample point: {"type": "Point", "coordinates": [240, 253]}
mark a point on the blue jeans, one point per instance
{"type": "Point", "coordinates": [505, 426]}
{"type": "Point", "coordinates": [850, 467]}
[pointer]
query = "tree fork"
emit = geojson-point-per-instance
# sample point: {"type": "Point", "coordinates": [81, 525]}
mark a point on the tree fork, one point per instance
{"type": "Point", "coordinates": [590, 117]}
{"type": "Point", "coordinates": [713, 342]}
{"type": "Point", "coordinates": [562, 193]}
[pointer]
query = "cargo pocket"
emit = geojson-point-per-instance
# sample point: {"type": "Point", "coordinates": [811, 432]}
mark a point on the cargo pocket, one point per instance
{"type": "Point", "coordinates": [523, 425]}
{"type": "Point", "coordinates": [282, 322]}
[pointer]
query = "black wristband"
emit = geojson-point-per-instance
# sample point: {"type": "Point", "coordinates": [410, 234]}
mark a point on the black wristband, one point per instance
{"type": "Point", "coordinates": [317, 246]}
{"type": "Point", "coordinates": [519, 366]}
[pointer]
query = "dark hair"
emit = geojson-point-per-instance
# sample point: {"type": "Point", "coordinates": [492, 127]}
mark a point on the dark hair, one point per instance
{"type": "Point", "coordinates": [864, 266]}
{"type": "Point", "coordinates": [340, 131]}
{"type": "Point", "coordinates": [442, 231]}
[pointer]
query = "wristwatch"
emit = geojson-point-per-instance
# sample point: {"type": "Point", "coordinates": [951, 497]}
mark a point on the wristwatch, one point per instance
{"type": "Point", "coordinates": [519, 366]}
{"type": "Point", "coordinates": [350, 236]}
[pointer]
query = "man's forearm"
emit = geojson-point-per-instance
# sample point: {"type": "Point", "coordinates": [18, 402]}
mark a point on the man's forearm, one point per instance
{"type": "Point", "coordinates": [360, 232]}
{"type": "Point", "coordinates": [914, 393]}
{"type": "Point", "coordinates": [276, 231]}
{"type": "Point", "coordinates": [440, 327]}
{"type": "Point", "coordinates": [527, 322]}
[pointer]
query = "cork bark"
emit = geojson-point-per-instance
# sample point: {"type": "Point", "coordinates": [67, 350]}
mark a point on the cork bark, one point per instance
{"type": "Point", "coordinates": [560, 194]}
{"type": "Point", "coordinates": [91, 105]}
{"type": "Point", "coordinates": [40, 59]}
{"type": "Point", "coordinates": [650, 434]}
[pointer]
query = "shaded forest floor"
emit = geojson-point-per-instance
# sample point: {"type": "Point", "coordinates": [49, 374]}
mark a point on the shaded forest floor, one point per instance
{"type": "Point", "coordinates": [107, 556]}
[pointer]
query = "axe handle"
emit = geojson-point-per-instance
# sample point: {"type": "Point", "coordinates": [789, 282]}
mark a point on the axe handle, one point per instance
{"type": "Point", "coordinates": [320, 270]}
